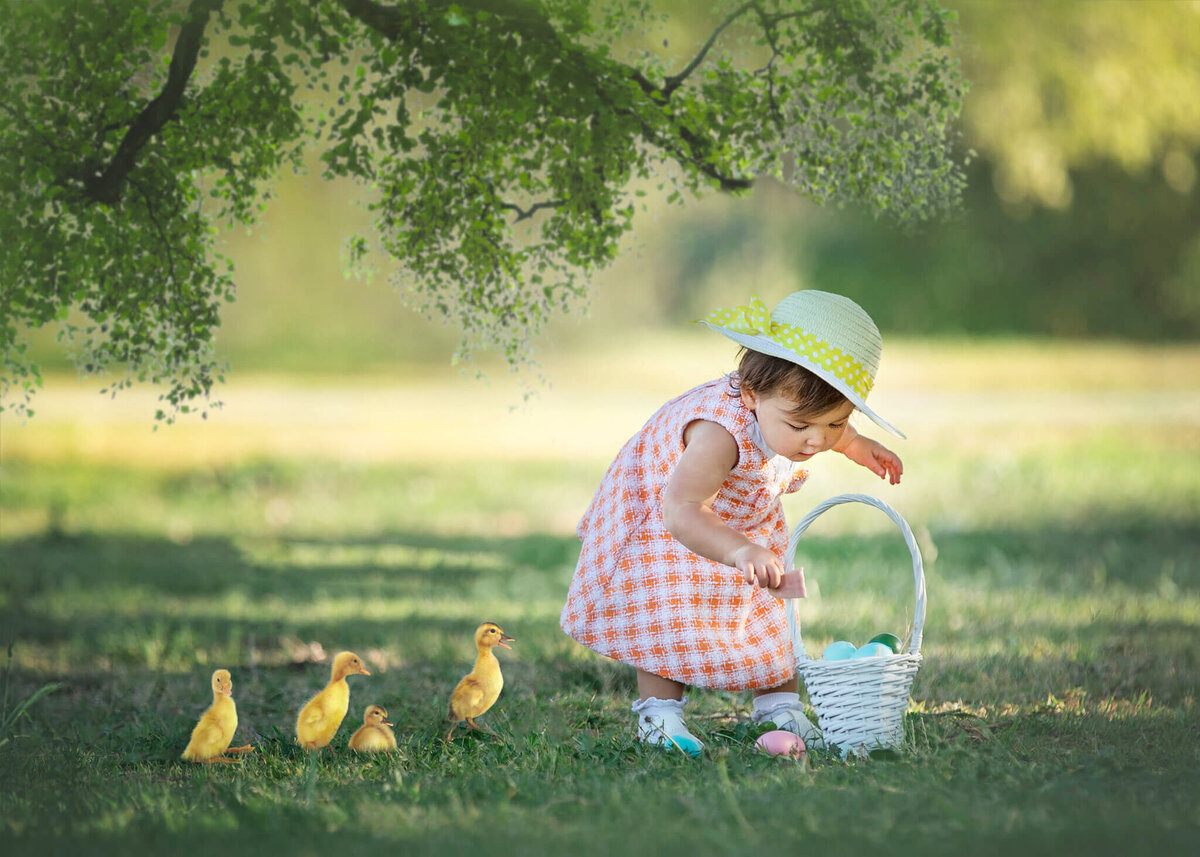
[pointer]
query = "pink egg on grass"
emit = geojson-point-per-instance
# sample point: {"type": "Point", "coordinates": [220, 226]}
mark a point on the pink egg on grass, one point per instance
{"type": "Point", "coordinates": [780, 742]}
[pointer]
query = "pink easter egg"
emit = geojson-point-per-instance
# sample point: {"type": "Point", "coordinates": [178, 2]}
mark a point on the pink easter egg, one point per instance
{"type": "Point", "coordinates": [781, 743]}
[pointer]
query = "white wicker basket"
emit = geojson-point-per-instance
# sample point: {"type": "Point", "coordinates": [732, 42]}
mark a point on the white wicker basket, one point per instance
{"type": "Point", "coordinates": [860, 703]}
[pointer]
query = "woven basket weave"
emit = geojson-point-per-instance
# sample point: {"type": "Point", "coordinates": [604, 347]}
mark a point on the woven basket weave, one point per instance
{"type": "Point", "coordinates": [860, 703]}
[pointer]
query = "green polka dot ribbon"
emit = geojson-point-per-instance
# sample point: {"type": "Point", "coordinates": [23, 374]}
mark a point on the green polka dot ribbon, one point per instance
{"type": "Point", "coordinates": [754, 319]}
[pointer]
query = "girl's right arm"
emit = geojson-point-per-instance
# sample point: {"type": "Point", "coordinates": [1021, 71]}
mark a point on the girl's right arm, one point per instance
{"type": "Point", "coordinates": [710, 453]}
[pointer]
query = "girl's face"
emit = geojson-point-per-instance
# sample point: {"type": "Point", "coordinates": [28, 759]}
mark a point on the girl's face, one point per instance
{"type": "Point", "coordinates": [796, 438]}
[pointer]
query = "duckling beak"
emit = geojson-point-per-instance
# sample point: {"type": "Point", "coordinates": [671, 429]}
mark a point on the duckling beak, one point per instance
{"type": "Point", "coordinates": [362, 669]}
{"type": "Point", "coordinates": [505, 640]}
{"type": "Point", "coordinates": [387, 722]}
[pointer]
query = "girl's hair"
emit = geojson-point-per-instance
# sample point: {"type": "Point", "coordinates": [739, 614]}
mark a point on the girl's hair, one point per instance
{"type": "Point", "coordinates": [765, 375]}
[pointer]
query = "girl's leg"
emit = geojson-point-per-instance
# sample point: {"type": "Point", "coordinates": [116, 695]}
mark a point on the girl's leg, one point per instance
{"type": "Point", "coordinates": [650, 685]}
{"type": "Point", "coordinates": [659, 712]}
{"type": "Point", "coordinates": [792, 685]}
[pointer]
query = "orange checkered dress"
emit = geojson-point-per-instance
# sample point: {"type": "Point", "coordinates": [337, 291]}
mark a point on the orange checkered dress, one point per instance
{"type": "Point", "coordinates": [641, 597]}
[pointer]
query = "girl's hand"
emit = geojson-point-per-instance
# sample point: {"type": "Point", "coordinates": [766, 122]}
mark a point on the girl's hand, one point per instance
{"type": "Point", "coordinates": [876, 457]}
{"type": "Point", "coordinates": [758, 565]}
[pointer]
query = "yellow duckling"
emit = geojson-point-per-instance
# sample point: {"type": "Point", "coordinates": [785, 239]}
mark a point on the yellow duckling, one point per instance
{"type": "Point", "coordinates": [375, 735]}
{"type": "Point", "coordinates": [320, 718]}
{"type": "Point", "coordinates": [211, 737]}
{"type": "Point", "coordinates": [480, 688]}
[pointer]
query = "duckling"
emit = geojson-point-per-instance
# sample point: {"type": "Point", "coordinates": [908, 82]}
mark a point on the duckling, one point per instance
{"type": "Point", "coordinates": [375, 735]}
{"type": "Point", "coordinates": [480, 688]}
{"type": "Point", "coordinates": [211, 737]}
{"type": "Point", "coordinates": [322, 715]}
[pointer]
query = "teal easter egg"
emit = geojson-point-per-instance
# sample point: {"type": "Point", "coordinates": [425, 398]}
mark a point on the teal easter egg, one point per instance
{"type": "Point", "coordinates": [839, 651]}
{"type": "Point", "coordinates": [890, 640]}
{"type": "Point", "coordinates": [873, 650]}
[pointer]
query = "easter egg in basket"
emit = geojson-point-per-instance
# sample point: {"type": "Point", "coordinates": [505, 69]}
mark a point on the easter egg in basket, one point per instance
{"type": "Point", "coordinates": [890, 640]}
{"type": "Point", "coordinates": [839, 650]}
{"type": "Point", "coordinates": [873, 650]}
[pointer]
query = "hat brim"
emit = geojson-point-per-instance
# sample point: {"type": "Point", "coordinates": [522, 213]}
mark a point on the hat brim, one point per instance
{"type": "Point", "coordinates": [766, 345]}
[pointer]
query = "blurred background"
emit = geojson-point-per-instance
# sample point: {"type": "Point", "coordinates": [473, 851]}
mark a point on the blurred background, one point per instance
{"type": "Point", "coordinates": [1081, 222]}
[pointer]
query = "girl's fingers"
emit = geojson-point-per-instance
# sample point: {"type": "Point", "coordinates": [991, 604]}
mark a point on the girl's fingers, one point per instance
{"type": "Point", "coordinates": [768, 575]}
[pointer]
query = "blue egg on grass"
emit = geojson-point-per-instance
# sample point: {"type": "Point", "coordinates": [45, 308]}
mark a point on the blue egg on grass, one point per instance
{"type": "Point", "coordinates": [873, 650]}
{"type": "Point", "coordinates": [839, 651]}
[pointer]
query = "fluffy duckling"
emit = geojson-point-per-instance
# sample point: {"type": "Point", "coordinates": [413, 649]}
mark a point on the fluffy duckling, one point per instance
{"type": "Point", "coordinates": [375, 735]}
{"type": "Point", "coordinates": [211, 737]}
{"type": "Point", "coordinates": [480, 688]}
{"type": "Point", "coordinates": [320, 718]}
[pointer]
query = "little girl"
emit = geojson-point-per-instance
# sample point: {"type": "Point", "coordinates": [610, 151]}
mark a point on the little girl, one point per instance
{"type": "Point", "coordinates": [686, 534]}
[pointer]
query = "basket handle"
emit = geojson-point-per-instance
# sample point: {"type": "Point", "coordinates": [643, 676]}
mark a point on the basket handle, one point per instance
{"type": "Point", "coordinates": [792, 605]}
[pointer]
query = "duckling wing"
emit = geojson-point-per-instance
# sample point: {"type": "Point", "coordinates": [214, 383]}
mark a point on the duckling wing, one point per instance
{"type": "Point", "coordinates": [313, 713]}
{"type": "Point", "coordinates": [467, 700]}
{"type": "Point", "coordinates": [208, 740]}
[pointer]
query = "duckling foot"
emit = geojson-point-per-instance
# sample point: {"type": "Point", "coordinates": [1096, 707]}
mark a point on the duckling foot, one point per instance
{"type": "Point", "coordinates": [479, 728]}
{"type": "Point", "coordinates": [471, 724]}
{"type": "Point", "coordinates": [247, 748]}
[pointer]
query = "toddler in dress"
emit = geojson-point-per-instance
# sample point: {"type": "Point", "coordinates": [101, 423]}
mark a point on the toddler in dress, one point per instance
{"type": "Point", "coordinates": [685, 535]}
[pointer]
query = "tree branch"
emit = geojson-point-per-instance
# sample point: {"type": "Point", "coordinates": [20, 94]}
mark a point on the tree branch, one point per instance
{"type": "Point", "coordinates": [392, 22]}
{"type": "Point", "coordinates": [106, 187]}
{"type": "Point", "coordinates": [526, 213]}
{"type": "Point", "coordinates": [673, 82]}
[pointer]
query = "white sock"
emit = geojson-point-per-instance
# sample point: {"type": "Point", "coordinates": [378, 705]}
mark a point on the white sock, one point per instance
{"type": "Point", "coordinates": [771, 701]}
{"type": "Point", "coordinates": [660, 720]}
{"type": "Point", "coordinates": [784, 709]}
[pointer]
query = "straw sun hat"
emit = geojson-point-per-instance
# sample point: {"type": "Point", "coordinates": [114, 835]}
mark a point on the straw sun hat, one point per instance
{"type": "Point", "coordinates": [830, 335]}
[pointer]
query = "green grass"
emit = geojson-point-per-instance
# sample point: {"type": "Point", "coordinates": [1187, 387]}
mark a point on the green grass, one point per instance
{"type": "Point", "coordinates": [1055, 711]}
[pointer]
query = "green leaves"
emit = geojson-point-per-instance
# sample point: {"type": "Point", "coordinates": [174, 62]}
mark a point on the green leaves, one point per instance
{"type": "Point", "coordinates": [501, 137]}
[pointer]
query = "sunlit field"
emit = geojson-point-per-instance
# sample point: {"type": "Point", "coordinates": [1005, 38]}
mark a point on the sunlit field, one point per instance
{"type": "Point", "coordinates": [1054, 490]}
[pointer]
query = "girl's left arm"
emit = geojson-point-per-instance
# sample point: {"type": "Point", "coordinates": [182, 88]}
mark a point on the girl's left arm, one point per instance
{"type": "Point", "coordinates": [871, 454]}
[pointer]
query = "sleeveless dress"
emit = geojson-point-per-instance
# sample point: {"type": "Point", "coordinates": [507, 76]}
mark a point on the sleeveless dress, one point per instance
{"type": "Point", "coordinates": [639, 596]}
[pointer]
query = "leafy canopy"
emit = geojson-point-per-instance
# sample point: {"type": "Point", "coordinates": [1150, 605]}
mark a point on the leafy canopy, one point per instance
{"type": "Point", "coordinates": [504, 142]}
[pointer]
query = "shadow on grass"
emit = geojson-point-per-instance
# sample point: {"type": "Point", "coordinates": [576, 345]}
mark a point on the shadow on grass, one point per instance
{"type": "Point", "coordinates": [1139, 555]}
{"type": "Point", "coordinates": [139, 612]}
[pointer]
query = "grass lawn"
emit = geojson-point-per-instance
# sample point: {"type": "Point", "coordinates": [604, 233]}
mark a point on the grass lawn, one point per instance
{"type": "Point", "coordinates": [1055, 711]}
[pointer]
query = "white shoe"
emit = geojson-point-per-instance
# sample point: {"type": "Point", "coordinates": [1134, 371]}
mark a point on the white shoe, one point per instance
{"type": "Point", "coordinates": [787, 713]}
{"type": "Point", "coordinates": [660, 723]}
